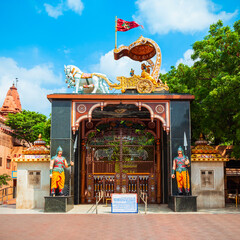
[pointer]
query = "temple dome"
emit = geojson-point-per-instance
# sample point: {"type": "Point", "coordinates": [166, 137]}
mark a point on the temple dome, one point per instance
{"type": "Point", "coordinates": [204, 152]}
{"type": "Point", "coordinates": [39, 147]}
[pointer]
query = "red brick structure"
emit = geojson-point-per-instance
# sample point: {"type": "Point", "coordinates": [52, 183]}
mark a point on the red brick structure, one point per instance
{"type": "Point", "coordinates": [10, 147]}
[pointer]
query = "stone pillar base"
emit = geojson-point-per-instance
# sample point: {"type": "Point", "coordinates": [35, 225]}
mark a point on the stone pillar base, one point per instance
{"type": "Point", "coordinates": [58, 204]}
{"type": "Point", "coordinates": [183, 203]}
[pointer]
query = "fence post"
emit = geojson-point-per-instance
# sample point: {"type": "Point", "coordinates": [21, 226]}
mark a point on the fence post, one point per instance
{"type": "Point", "coordinates": [2, 195]}
{"type": "Point", "coordinates": [14, 192]}
{"type": "Point", "coordinates": [146, 205]}
{"type": "Point", "coordinates": [96, 203]}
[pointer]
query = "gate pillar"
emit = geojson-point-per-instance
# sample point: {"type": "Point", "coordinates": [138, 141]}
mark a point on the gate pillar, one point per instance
{"type": "Point", "coordinates": [158, 172]}
{"type": "Point", "coordinates": [61, 135]}
{"type": "Point", "coordinates": [83, 171]}
{"type": "Point", "coordinates": [180, 127]}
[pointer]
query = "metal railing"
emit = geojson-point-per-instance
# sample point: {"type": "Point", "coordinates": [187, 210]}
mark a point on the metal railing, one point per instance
{"type": "Point", "coordinates": [6, 193]}
{"type": "Point", "coordinates": [143, 196]}
{"type": "Point", "coordinates": [234, 194]}
{"type": "Point", "coordinates": [99, 197]}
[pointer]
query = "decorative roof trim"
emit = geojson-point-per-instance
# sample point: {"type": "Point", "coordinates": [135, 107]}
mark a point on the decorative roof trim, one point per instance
{"type": "Point", "coordinates": [32, 152]}
{"type": "Point", "coordinates": [209, 159]}
{"type": "Point", "coordinates": [31, 159]}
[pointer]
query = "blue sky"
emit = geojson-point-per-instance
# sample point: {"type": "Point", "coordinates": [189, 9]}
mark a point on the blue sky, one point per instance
{"type": "Point", "coordinates": [39, 36]}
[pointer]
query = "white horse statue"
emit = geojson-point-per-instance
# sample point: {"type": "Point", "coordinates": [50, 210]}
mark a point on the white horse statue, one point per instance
{"type": "Point", "coordinates": [84, 82]}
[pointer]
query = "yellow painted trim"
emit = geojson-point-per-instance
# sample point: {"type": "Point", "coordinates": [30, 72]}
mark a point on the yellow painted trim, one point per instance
{"type": "Point", "coordinates": [209, 159]}
{"type": "Point", "coordinates": [31, 160]}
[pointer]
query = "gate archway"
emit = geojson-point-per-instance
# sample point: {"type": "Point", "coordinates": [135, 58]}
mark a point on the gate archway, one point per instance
{"type": "Point", "coordinates": [121, 158]}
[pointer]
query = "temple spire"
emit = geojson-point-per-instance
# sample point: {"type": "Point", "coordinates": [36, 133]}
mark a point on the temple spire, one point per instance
{"type": "Point", "coordinates": [12, 103]}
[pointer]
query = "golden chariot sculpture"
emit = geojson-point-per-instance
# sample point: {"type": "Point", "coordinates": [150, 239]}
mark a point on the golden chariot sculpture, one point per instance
{"type": "Point", "coordinates": [141, 50]}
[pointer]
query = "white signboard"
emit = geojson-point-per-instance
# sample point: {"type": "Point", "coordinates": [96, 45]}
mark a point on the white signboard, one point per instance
{"type": "Point", "coordinates": [124, 203]}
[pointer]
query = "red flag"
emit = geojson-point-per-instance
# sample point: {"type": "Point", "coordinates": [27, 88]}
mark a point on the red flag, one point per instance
{"type": "Point", "coordinates": [124, 26]}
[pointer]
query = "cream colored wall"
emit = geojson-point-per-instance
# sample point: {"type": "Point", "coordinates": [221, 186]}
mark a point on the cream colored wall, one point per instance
{"type": "Point", "coordinates": [212, 197]}
{"type": "Point", "coordinates": [28, 198]}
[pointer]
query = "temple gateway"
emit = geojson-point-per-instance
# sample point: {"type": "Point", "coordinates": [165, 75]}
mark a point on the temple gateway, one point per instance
{"type": "Point", "coordinates": [122, 142]}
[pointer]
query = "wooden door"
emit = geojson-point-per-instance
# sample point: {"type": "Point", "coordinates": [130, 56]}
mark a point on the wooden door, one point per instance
{"type": "Point", "coordinates": [118, 162]}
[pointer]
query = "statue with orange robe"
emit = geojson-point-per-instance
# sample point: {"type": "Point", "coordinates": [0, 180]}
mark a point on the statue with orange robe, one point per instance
{"type": "Point", "coordinates": [180, 164]}
{"type": "Point", "coordinates": [145, 74]}
{"type": "Point", "coordinates": [57, 164]}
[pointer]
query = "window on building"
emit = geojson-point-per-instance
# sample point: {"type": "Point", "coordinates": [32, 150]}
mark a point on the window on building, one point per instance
{"type": "Point", "coordinates": [207, 179]}
{"type": "Point", "coordinates": [34, 179]}
{"type": "Point", "coordinates": [8, 163]}
{"type": "Point", "coordinates": [0, 161]}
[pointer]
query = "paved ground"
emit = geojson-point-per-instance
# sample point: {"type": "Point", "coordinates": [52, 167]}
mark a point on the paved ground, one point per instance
{"type": "Point", "coordinates": [155, 226]}
{"type": "Point", "coordinates": [159, 223]}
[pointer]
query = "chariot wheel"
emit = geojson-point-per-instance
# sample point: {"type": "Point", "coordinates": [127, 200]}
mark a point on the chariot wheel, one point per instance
{"type": "Point", "coordinates": [144, 86]}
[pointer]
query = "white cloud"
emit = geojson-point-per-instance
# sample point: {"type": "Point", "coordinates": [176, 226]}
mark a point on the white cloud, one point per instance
{"type": "Point", "coordinates": [162, 16]}
{"type": "Point", "coordinates": [33, 86]}
{"type": "Point", "coordinates": [163, 71]}
{"type": "Point", "coordinates": [74, 5]}
{"type": "Point", "coordinates": [187, 58]}
{"type": "Point", "coordinates": [54, 12]}
{"type": "Point", "coordinates": [66, 51]}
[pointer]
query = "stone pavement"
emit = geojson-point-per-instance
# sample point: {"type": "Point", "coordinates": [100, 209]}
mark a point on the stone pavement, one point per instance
{"type": "Point", "coordinates": [102, 209]}
{"type": "Point", "coordinates": [159, 223]}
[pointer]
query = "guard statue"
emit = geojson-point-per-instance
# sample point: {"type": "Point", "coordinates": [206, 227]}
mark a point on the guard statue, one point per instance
{"type": "Point", "coordinates": [180, 164]}
{"type": "Point", "coordinates": [57, 174]}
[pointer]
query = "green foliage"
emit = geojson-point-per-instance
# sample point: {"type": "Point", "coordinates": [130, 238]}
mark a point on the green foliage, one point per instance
{"type": "Point", "coordinates": [28, 125]}
{"type": "Point", "coordinates": [214, 79]}
{"type": "Point", "coordinates": [4, 179]}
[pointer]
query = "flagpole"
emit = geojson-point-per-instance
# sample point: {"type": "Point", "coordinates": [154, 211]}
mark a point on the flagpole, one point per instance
{"type": "Point", "coordinates": [115, 32]}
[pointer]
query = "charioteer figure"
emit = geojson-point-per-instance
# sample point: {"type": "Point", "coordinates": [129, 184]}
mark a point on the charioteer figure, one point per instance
{"type": "Point", "coordinates": [57, 164]}
{"type": "Point", "coordinates": [180, 165]}
{"type": "Point", "coordinates": [146, 73]}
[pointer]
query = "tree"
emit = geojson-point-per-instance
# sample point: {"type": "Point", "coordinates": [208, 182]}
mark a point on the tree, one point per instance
{"type": "Point", "coordinates": [214, 79]}
{"type": "Point", "coordinates": [28, 125]}
{"type": "Point", "coordinates": [4, 178]}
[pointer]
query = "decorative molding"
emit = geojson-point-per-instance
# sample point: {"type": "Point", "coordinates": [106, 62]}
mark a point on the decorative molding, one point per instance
{"type": "Point", "coordinates": [151, 125]}
{"type": "Point", "coordinates": [157, 110]}
{"type": "Point", "coordinates": [89, 125]}
{"type": "Point", "coordinates": [81, 108]}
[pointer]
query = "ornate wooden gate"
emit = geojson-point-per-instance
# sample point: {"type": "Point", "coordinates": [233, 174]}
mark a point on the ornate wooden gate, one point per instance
{"type": "Point", "coordinates": [121, 160]}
